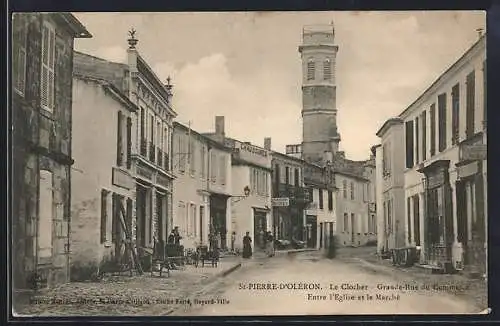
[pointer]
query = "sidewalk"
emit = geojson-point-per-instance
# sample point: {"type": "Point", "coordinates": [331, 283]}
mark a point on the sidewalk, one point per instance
{"type": "Point", "coordinates": [476, 291]}
{"type": "Point", "coordinates": [125, 295]}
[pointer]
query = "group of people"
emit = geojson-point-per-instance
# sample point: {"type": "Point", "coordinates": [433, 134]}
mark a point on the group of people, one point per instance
{"type": "Point", "coordinates": [267, 239]}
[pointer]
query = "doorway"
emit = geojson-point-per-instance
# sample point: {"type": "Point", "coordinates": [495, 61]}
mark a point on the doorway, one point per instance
{"type": "Point", "coordinates": [352, 228]}
{"type": "Point", "coordinates": [312, 225]}
{"type": "Point", "coordinates": [260, 228]}
{"type": "Point", "coordinates": [202, 219]}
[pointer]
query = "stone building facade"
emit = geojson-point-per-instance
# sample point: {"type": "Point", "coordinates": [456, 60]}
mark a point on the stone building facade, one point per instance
{"type": "Point", "coordinates": [148, 209]}
{"type": "Point", "coordinates": [202, 187]}
{"type": "Point", "coordinates": [42, 46]}
{"type": "Point", "coordinates": [102, 172]}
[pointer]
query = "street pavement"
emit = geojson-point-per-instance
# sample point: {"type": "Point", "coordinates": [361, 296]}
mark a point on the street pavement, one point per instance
{"type": "Point", "coordinates": [265, 287]}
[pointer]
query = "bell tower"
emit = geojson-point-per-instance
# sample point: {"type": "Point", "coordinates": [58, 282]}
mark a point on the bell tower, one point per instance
{"type": "Point", "coordinates": [319, 109]}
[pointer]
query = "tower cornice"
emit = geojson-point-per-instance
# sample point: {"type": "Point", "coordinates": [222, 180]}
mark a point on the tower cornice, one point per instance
{"type": "Point", "coordinates": [318, 47]}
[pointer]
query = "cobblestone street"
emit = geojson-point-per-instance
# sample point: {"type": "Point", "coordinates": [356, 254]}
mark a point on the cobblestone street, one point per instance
{"type": "Point", "coordinates": [125, 295]}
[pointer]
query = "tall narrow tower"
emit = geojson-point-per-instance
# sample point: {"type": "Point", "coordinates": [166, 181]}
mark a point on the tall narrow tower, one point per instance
{"type": "Point", "coordinates": [319, 110]}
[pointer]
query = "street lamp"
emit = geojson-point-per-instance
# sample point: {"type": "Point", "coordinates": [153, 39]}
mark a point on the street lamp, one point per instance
{"type": "Point", "coordinates": [246, 192]}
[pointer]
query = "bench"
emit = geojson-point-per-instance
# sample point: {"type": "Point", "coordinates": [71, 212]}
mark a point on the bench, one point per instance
{"type": "Point", "coordinates": [203, 253]}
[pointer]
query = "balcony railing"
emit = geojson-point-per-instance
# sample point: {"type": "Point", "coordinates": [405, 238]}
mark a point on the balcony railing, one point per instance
{"type": "Point", "coordinates": [295, 193]}
{"type": "Point", "coordinates": [144, 147]}
{"type": "Point", "coordinates": [152, 152]}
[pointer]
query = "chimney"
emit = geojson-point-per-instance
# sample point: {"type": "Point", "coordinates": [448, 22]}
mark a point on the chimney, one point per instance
{"type": "Point", "coordinates": [220, 134]}
{"type": "Point", "coordinates": [267, 143]}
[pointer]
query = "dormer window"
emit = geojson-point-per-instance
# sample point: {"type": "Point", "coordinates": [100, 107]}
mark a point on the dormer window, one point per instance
{"type": "Point", "coordinates": [327, 69]}
{"type": "Point", "coordinates": [311, 67]}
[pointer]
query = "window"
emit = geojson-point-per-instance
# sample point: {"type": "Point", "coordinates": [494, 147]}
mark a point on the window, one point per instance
{"type": "Point", "coordinates": [389, 216]}
{"type": "Point", "coordinates": [352, 190]}
{"type": "Point", "coordinates": [416, 219]}
{"type": "Point", "coordinates": [202, 161]}
{"type": "Point", "coordinates": [182, 153]}
{"type": "Point", "coordinates": [129, 142]}
{"type": "Point", "coordinates": [433, 129]}
{"type": "Point", "coordinates": [143, 129]}
{"type": "Point", "coordinates": [181, 215]}
{"type": "Point", "coordinates": [327, 70]}
{"type": "Point", "coordinates": [104, 214]}
{"type": "Point", "coordinates": [213, 166]}
{"type": "Point", "coordinates": [320, 198]}
{"type": "Point", "coordinates": [408, 217]}
{"type": "Point", "coordinates": [192, 154]}
{"type": "Point", "coordinates": [346, 222]}
{"type": "Point", "coordinates": [297, 178]}
{"type": "Point", "coordinates": [353, 224]}
{"type": "Point", "coordinates": [417, 141]}
{"type": "Point", "coordinates": [330, 200]}
{"type": "Point", "coordinates": [470, 104]}
{"type": "Point", "coordinates": [223, 168]}
{"type": "Point", "coordinates": [386, 167]}
{"type": "Point", "coordinates": [344, 188]}
{"type": "Point", "coordinates": [455, 114]}
{"type": "Point", "coordinates": [19, 33]}
{"type": "Point", "coordinates": [48, 67]}
{"type": "Point", "coordinates": [409, 144]}
{"type": "Point", "coordinates": [442, 122]}
{"type": "Point", "coordinates": [119, 140]}
{"type": "Point", "coordinates": [311, 67]}
{"type": "Point", "coordinates": [193, 220]}
{"type": "Point", "coordinates": [287, 175]}
{"type": "Point", "coordinates": [266, 192]}
{"type": "Point", "coordinates": [152, 129]}
{"type": "Point", "coordinates": [424, 135]}
{"type": "Point", "coordinates": [46, 203]}
{"type": "Point", "coordinates": [277, 177]}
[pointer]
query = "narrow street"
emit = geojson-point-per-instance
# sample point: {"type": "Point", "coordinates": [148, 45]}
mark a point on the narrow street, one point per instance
{"type": "Point", "coordinates": [257, 289]}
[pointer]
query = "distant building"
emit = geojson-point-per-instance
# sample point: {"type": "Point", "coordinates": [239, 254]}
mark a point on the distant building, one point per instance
{"type": "Point", "coordinates": [202, 187]}
{"type": "Point", "coordinates": [391, 186]}
{"type": "Point", "coordinates": [42, 55]}
{"type": "Point", "coordinates": [143, 151]}
{"type": "Point", "coordinates": [289, 221]}
{"type": "Point", "coordinates": [251, 187]}
{"type": "Point", "coordinates": [321, 212]}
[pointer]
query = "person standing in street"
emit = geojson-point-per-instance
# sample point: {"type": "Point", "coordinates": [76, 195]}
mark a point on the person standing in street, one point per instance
{"type": "Point", "coordinates": [247, 246]}
{"type": "Point", "coordinates": [233, 239]}
{"type": "Point", "coordinates": [269, 244]}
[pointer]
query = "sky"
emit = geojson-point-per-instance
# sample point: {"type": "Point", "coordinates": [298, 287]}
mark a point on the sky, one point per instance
{"type": "Point", "coordinates": [246, 66]}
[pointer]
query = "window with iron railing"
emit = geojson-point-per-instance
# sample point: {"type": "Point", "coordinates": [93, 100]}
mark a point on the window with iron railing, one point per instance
{"type": "Point", "coordinates": [166, 162]}
{"type": "Point", "coordinates": [159, 155]}
{"type": "Point", "coordinates": [144, 147]}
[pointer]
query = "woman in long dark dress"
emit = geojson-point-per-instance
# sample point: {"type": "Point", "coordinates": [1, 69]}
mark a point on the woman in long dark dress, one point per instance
{"type": "Point", "coordinates": [247, 246]}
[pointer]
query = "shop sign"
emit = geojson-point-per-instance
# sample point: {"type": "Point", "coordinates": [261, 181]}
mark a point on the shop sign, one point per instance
{"type": "Point", "coordinates": [280, 202]}
{"type": "Point", "coordinates": [122, 179]}
{"type": "Point", "coordinates": [473, 152]}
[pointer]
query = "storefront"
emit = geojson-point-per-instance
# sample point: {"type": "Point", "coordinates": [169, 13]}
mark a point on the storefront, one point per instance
{"type": "Point", "coordinates": [471, 215]}
{"type": "Point", "coordinates": [311, 231]}
{"type": "Point", "coordinates": [260, 227]}
{"type": "Point", "coordinates": [438, 222]}
{"type": "Point", "coordinates": [218, 209]}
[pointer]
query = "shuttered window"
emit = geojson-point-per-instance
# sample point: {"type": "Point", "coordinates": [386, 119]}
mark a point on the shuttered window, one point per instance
{"type": "Point", "coordinates": [442, 122]}
{"type": "Point", "coordinates": [48, 67]}
{"type": "Point", "coordinates": [223, 170]}
{"type": "Point", "coordinates": [330, 200]}
{"type": "Point", "coordinates": [129, 142]}
{"type": "Point", "coordinates": [424, 135]}
{"type": "Point", "coordinates": [320, 198]}
{"type": "Point", "coordinates": [327, 70]}
{"type": "Point", "coordinates": [470, 106]}
{"type": "Point", "coordinates": [104, 214]}
{"type": "Point", "coordinates": [417, 141]}
{"type": "Point", "coordinates": [409, 144]}
{"type": "Point", "coordinates": [311, 69]}
{"type": "Point", "coordinates": [433, 129]}
{"type": "Point", "coordinates": [119, 139]}
{"type": "Point", "coordinates": [19, 31]}
{"type": "Point", "coordinates": [455, 114]}
{"type": "Point", "coordinates": [408, 217]}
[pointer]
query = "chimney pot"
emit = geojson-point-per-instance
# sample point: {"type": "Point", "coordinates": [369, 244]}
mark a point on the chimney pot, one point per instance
{"type": "Point", "coordinates": [267, 143]}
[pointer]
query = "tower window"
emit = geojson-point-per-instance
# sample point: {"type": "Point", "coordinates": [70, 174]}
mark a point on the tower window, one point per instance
{"type": "Point", "coordinates": [311, 67]}
{"type": "Point", "coordinates": [327, 70]}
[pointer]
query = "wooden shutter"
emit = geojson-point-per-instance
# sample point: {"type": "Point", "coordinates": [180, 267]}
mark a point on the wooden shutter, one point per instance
{"type": "Point", "coordinates": [471, 98]}
{"type": "Point", "coordinates": [424, 135]}
{"type": "Point", "coordinates": [119, 140]}
{"type": "Point", "coordinates": [433, 129]}
{"type": "Point", "coordinates": [409, 144]}
{"type": "Point", "coordinates": [47, 70]}
{"type": "Point", "coordinates": [408, 217]}
{"type": "Point", "coordinates": [104, 214]}
{"type": "Point", "coordinates": [417, 139]}
{"type": "Point", "coordinates": [455, 114]}
{"type": "Point", "coordinates": [442, 122]}
{"type": "Point", "coordinates": [129, 142]}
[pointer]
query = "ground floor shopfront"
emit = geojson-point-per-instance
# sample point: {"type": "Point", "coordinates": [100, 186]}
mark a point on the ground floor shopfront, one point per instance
{"type": "Point", "coordinates": [289, 223]}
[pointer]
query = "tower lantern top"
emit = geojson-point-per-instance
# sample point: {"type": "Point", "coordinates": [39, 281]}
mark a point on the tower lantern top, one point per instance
{"type": "Point", "coordinates": [318, 34]}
